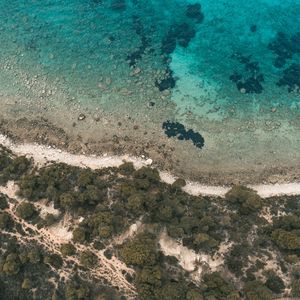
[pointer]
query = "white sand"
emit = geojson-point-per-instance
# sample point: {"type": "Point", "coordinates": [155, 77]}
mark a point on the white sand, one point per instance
{"type": "Point", "coordinates": [42, 155]}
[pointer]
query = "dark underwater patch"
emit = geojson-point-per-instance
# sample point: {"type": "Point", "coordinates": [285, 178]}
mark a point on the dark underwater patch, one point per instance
{"type": "Point", "coordinates": [291, 78]}
{"type": "Point", "coordinates": [193, 11]}
{"type": "Point", "coordinates": [284, 47]}
{"type": "Point", "coordinates": [166, 83]}
{"type": "Point", "coordinates": [180, 34]}
{"type": "Point", "coordinates": [175, 129]}
{"type": "Point", "coordinates": [250, 81]}
{"type": "Point", "coordinates": [136, 55]}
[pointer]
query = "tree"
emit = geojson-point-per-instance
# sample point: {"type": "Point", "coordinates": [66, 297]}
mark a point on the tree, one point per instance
{"type": "Point", "coordinates": [246, 200]}
{"type": "Point", "coordinates": [140, 251]}
{"type": "Point", "coordinates": [3, 201]}
{"type": "Point", "coordinates": [79, 235]}
{"type": "Point", "coordinates": [285, 239]}
{"type": "Point", "coordinates": [12, 264]}
{"type": "Point", "coordinates": [296, 288]}
{"type": "Point", "coordinates": [255, 290]}
{"type": "Point", "coordinates": [26, 284]}
{"type": "Point", "coordinates": [26, 210]}
{"type": "Point", "coordinates": [88, 259]}
{"type": "Point", "coordinates": [54, 260]}
{"type": "Point", "coordinates": [5, 220]}
{"type": "Point", "coordinates": [275, 283]}
{"type": "Point", "coordinates": [67, 249]}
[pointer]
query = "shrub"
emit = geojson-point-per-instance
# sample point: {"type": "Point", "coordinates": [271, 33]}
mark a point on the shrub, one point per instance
{"type": "Point", "coordinates": [67, 249]}
{"type": "Point", "coordinates": [26, 210]}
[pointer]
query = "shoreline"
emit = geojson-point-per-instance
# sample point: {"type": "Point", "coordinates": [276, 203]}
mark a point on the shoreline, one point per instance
{"type": "Point", "coordinates": [42, 155]}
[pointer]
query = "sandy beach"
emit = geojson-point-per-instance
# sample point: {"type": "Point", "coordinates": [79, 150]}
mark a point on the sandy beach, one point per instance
{"type": "Point", "coordinates": [43, 155]}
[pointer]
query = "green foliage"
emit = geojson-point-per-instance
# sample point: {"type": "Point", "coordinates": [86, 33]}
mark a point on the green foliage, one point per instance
{"type": "Point", "coordinates": [54, 260]}
{"type": "Point", "coordinates": [26, 284]}
{"type": "Point", "coordinates": [67, 249]}
{"type": "Point", "coordinates": [26, 210]}
{"type": "Point", "coordinates": [296, 288]}
{"type": "Point", "coordinates": [140, 251]}
{"type": "Point", "coordinates": [76, 291]}
{"type": "Point", "coordinates": [126, 168]}
{"type": "Point", "coordinates": [216, 286]}
{"type": "Point", "coordinates": [79, 235]}
{"type": "Point", "coordinates": [255, 290]}
{"type": "Point", "coordinates": [286, 240]}
{"type": "Point", "coordinates": [275, 283]}
{"type": "Point", "coordinates": [244, 199]}
{"type": "Point", "coordinates": [11, 167]}
{"type": "Point", "coordinates": [3, 201]}
{"type": "Point", "coordinates": [6, 221]}
{"type": "Point", "coordinates": [88, 259]}
{"type": "Point", "coordinates": [11, 265]}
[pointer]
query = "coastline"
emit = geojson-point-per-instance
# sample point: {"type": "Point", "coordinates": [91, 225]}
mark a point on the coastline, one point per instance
{"type": "Point", "coordinates": [43, 155]}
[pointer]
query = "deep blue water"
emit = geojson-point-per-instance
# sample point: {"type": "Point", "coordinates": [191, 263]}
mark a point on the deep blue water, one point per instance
{"type": "Point", "coordinates": [213, 59]}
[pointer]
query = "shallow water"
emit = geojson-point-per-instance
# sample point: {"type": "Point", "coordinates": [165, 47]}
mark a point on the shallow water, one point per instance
{"type": "Point", "coordinates": [219, 68]}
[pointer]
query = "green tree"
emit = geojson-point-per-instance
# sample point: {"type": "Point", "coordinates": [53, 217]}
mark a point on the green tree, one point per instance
{"type": "Point", "coordinates": [3, 201]}
{"type": "Point", "coordinates": [246, 200]}
{"type": "Point", "coordinates": [140, 251]}
{"type": "Point", "coordinates": [255, 290]}
{"type": "Point", "coordinates": [286, 240]}
{"type": "Point", "coordinates": [67, 249]}
{"type": "Point", "coordinates": [26, 210]}
{"type": "Point", "coordinates": [88, 259]}
{"type": "Point", "coordinates": [296, 288]}
{"type": "Point", "coordinates": [26, 284]}
{"type": "Point", "coordinates": [79, 235]}
{"type": "Point", "coordinates": [12, 264]}
{"type": "Point", "coordinates": [5, 221]}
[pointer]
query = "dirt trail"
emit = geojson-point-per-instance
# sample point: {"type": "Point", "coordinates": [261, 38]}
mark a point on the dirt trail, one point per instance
{"type": "Point", "coordinates": [51, 238]}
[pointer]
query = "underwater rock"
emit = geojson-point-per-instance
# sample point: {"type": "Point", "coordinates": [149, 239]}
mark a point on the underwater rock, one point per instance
{"type": "Point", "coordinates": [179, 33]}
{"type": "Point", "coordinates": [166, 83]}
{"type": "Point", "coordinates": [193, 11]}
{"type": "Point", "coordinates": [136, 55]}
{"type": "Point", "coordinates": [291, 78]}
{"type": "Point", "coordinates": [175, 129]}
{"type": "Point", "coordinates": [250, 83]}
{"type": "Point", "coordinates": [284, 48]}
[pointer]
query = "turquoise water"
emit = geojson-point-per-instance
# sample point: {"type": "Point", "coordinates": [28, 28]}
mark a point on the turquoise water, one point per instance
{"type": "Point", "coordinates": [84, 41]}
{"type": "Point", "coordinates": [213, 62]}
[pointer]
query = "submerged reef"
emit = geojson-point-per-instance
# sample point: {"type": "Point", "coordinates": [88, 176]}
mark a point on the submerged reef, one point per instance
{"type": "Point", "coordinates": [179, 33]}
{"type": "Point", "coordinates": [291, 78]}
{"type": "Point", "coordinates": [193, 11]}
{"type": "Point", "coordinates": [175, 129]}
{"type": "Point", "coordinates": [136, 55]}
{"type": "Point", "coordinates": [250, 82]}
{"type": "Point", "coordinates": [166, 83]}
{"type": "Point", "coordinates": [284, 48]}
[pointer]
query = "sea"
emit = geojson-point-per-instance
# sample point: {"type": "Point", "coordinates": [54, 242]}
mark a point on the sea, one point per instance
{"type": "Point", "coordinates": [217, 80]}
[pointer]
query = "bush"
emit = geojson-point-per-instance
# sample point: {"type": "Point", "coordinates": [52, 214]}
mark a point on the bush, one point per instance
{"type": "Point", "coordinates": [3, 201]}
{"type": "Point", "coordinates": [26, 210]}
{"type": "Point", "coordinates": [244, 199]}
{"type": "Point", "coordinates": [5, 221]}
{"type": "Point", "coordinates": [140, 251]}
{"type": "Point", "coordinates": [88, 259]}
{"type": "Point", "coordinates": [67, 249]}
{"type": "Point", "coordinates": [79, 235]}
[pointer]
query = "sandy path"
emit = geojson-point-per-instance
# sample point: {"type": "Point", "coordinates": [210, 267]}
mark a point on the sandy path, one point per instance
{"type": "Point", "coordinates": [43, 154]}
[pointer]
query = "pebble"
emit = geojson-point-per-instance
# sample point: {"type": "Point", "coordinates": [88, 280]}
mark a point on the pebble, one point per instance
{"type": "Point", "coordinates": [148, 162]}
{"type": "Point", "coordinates": [135, 72]}
{"type": "Point", "coordinates": [81, 117]}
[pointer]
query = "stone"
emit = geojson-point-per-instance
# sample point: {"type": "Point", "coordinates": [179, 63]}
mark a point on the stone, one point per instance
{"type": "Point", "coordinates": [81, 117]}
